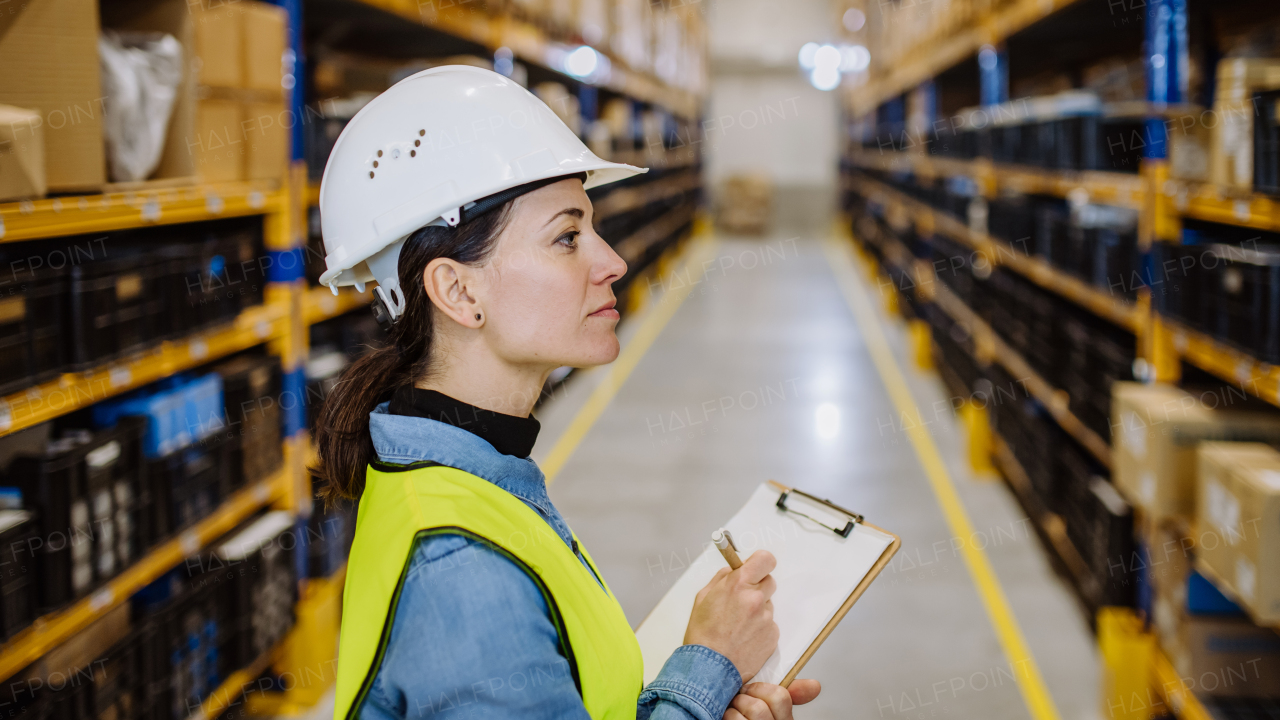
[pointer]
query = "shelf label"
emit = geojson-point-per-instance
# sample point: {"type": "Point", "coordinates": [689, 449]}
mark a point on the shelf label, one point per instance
{"type": "Point", "coordinates": [198, 348]}
{"type": "Point", "coordinates": [151, 210]}
{"type": "Point", "coordinates": [6, 416]}
{"type": "Point", "coordinates": [262, 492]}
{"type": "Point", "coordinates": [1, 227]}
{"type": "Point", "coordinates": [1244, 371]}
{"type": "Point", "coordinates": [101, 599]}
{"type": "Point", "coordinates": [256, 200]}
{"type": "Point", "coordinates": [263, 328]}
{"type": "Point", "coordinates": [328, 304]}
{"type": "Point", "coordinates": [1242, 210]}
{"type": "Point", "coordinates": [120, 376]}
{"type": "Point", "coordinates": [214, 204]}
{"type": "Point", "coordinates": [189, 542]}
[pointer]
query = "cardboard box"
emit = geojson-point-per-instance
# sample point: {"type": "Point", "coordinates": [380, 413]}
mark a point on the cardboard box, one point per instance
{"type": "Point", "coordinates": [1228, 657]}
{"type": "Point", "coordinates": [266, 135]}
{"type": "Point", "coordinates": [1238, 515]}
{"type": "Point", "coordinates": [21, 154]}
{"type": "Point", "coordinates": [218, 150]}
{"type": "Point", "coordinates": [49, 56]}
{"type": "Point", "coordinates": [1155, 429]}
{"type": "Point", "coordinates": [219, 41]}
{"type": "Point", "coordinates": [1234, 114]}
{"type": "Point", "coordinates": [263, 29]}
{"type": "Point", "coordinates": [1190, 146]}
{"type": "Point", "coordinates": [1231, 151]}
{"type": "Point", "coordinates": [1240, 78]}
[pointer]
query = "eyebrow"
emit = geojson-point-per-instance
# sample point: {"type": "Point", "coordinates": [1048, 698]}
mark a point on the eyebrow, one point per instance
{"type": "Point", "coordinates": [575, 212]}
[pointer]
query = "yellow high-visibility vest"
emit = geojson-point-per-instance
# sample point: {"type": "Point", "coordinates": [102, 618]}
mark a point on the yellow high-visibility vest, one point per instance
{"type": "Point", "coordinates": [403, 503]}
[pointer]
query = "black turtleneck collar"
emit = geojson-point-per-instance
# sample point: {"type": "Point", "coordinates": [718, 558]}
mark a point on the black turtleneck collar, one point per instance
{"type": "Point", "coordinates": [508, 434]}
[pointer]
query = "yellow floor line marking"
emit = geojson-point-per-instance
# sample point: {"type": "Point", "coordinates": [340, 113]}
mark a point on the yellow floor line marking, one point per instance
{"type": "Point", "coordinates": [651, 326]}
{"type": "Point", "coordinates": [1030, 682]}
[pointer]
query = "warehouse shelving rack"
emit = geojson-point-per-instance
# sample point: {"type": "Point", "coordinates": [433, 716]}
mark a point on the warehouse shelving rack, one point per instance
{"type": "Point", "coordinates": [282, 324]}
{"type": "Point", "coordinates": [1162, 202]}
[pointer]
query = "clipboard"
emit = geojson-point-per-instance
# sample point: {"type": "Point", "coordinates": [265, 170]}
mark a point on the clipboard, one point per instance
{"type": "Point", "coordinates": [812, 535]}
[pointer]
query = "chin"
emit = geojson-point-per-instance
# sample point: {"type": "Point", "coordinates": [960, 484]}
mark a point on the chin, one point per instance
{"type": "Point", "coordinates": [600, 353]}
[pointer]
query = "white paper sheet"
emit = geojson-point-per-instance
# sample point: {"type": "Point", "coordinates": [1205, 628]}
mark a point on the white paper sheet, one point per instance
{"type": "Point", "coordinates": [817, 570]}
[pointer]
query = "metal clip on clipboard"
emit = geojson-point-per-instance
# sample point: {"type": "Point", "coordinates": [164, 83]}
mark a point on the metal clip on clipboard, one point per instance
{"type": "Point", "coordinates": [854, 518]}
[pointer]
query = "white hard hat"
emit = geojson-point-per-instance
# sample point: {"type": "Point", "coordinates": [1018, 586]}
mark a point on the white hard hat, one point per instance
{"type": "Point", "coordinates": [423, 153]}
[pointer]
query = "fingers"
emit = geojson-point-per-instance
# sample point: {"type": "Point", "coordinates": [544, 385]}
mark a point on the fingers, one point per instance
{"type": "Point", "coordinates": [768, 586]}
{"type": "Point", "coordinates": [754, 708]}
{"type": "Point", "coordinates": [775, 697]}
{"type": "Point", "coordinates": [733, 714]}
{"type": "Point", "coordinates": [756, 567]}
{"type": "Point", "coordinates": [803, 691]}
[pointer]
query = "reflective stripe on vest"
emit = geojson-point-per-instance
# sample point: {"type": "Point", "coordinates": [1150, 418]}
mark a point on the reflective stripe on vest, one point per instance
{"type": "Point", "coordinates": [403, 503]}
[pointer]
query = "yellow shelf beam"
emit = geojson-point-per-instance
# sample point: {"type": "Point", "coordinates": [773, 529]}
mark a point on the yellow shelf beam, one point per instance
{"type": "Point", "coordinates": [122, 210]}
{"type": "Point", "coordinates": [319, 304]}
{"type": "Point", "coordinates": [1108, 188]}
{"type": "Point", "coordinates": [1101, 303]}
{"type": "Point", "coordinates": [1180, 699]}
{"type": "Point", "coordinates": [51, 630]}
{"type": "Point", "coordinates": [73, 391]}
{"type": "Point", "coordinates": [236, 684]}
{"type": "Point", "coordinates": [1259, 378]}
{"type": "Point", "coordinates": [1209, 202]}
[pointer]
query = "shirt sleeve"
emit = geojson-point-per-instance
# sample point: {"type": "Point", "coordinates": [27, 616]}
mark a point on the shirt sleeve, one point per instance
{"type": "Point", "coordinates": [473, 637]}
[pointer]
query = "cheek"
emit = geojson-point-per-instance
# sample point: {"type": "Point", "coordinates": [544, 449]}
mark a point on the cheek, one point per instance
{"type": "Point", "coordinates": [539, 304]}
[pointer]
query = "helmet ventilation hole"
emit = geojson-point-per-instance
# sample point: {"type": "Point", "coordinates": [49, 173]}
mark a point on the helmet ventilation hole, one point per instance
{"type": "Point", "coordinates": [417, 143]}
{"type": "Point", "coordinates": [413, 153]}
{"type": "Point", "coordinates": [375, 162]}
{"type": "Point", "coordinates": [421, 133]}
{"type": "Point", "coordinates": [370, 173]}
{"type": "Point", "coordinates": [379, 153]}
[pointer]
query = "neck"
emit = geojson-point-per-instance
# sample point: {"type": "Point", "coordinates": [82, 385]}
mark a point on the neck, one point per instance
{"type": "Point", "coordinates": [472, 374]}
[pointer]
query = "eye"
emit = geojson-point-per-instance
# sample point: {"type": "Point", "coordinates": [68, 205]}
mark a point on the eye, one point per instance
{"type": "Point", "coordinates": [570, 239]}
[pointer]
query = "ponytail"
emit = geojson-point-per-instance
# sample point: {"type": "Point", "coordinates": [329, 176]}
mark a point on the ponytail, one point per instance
{"type": "Point", "coordinates": [344, 446]}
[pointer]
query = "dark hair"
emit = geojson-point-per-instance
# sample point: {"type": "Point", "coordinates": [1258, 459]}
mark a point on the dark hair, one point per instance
{"type": "Point", "coordinates": [343, 443]}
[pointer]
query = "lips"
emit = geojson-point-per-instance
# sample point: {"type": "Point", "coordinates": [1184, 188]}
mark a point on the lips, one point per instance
{"type": "Point", "coordinates": [606, 310]}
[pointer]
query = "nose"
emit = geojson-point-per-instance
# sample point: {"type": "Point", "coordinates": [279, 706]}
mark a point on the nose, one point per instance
{"type": "Point", "coordinates": [610, 266]}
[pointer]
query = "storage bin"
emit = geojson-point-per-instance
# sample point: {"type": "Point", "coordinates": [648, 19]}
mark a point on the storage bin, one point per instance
{"type": "Point", "coordinates": [18, 571]}
{"type": "Point", "coordinates": [52, 485]}
{"type": "Point", "coordinates": [252, 396]}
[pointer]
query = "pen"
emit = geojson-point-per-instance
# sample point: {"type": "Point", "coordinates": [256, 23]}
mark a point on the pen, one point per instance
{"type": "Point", "coordinates": [724, 543]}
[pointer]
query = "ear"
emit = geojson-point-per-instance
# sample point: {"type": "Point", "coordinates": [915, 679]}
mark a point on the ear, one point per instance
{"type": "Point", "coordinates": [451, 287]}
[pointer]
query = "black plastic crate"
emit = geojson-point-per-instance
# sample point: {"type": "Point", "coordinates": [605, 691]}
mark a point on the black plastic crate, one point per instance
{"type": "Point", "coordinates": [1266, 143]}
{"type": "Point", "coordinates": [188, 484]}
{"type": "Point", "coordinates": [52, 485]}
{"type": "Point", "coordinates": [18, 571]}
{"type": "Point", "coordinates": [1120, 145]}
{"type": "Point", "coordinates": [31, 312]}
{"type": "Point", "coordinates": [251, 388]}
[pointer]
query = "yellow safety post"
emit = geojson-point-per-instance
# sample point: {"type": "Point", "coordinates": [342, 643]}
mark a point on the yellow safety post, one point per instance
{"type": "Point", "coordinates": [1126, 665]}
{"type": "Point", "coordinates": [921, 344]}
{"type": "Point", "coordinates": [978, 428]}
{"type": "Point", "coordinates": [307, 662]}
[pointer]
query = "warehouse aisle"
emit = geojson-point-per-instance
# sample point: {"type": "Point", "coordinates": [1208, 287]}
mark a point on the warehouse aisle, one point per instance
{"type": "Point", "coordinates": [763, 373]}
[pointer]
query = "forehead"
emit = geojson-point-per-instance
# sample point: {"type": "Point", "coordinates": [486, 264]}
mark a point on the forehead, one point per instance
{"type": "Point", "coordinates": [551, 199]}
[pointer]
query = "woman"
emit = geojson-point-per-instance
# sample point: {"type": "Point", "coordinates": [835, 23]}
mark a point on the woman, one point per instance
{"type": "Point", "coordinates": [466, 593]}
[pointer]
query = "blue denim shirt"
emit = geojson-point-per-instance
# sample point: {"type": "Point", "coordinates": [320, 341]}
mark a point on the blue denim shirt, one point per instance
{"type": "Point", "coordinates": [472, 635]}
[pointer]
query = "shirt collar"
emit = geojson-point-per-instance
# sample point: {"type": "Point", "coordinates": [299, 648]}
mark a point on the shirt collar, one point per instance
{"type": "Point", "coordinates": [404, 439]}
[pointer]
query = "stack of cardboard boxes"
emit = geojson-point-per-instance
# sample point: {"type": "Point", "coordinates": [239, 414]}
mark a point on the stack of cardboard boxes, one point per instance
{"type": "Point", "coordinates": [229, 122]}
{"type": "Point", "coordinates": [1234, 116]}
{"type": "Point", "coordinates": [1209, 496]}
{"type": "Point", "coordinates": [242, 124]}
